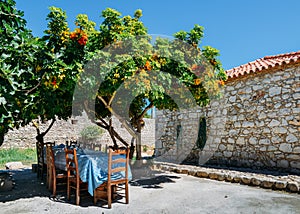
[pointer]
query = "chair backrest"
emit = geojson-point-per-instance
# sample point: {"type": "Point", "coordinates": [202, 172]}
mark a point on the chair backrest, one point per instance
{"type": "Point", "coordinates": [40, 150]}
{"type": "Point", "coordinates": [71, 143]}
{"type": "Point", "coordinates": [50, 158]}
{"type": "Point", "coordinates": [72, 163]}
{"type": "Point", "coordinates": [51, 173]}
{"type": "Point", "coordinates": [118, 161]}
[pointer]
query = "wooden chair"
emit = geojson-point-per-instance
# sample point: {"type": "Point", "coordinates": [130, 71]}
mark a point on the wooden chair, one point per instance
{"type": "Point", "coordinates": [118, 161]}
{"type": "Point", "coordinates": [96, 147]}
{"type": "Point", "coordinates": [54, 176]}
{"type": "Point", "coordinates": [71, 143]}
{"type": "Point", "coordinates": [73, 177]}
{"type": "Point", "coordinates": [40, 151]}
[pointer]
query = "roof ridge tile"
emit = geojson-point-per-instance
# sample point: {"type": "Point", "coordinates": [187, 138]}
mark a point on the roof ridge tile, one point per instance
{"type": "Point", "coordinates": [265, 63]}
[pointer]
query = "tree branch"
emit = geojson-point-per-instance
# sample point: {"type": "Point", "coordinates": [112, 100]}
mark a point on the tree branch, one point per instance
{"type": "Point", "coordinates": [32, 89]}
{"type": "Point", "coordinates": [112, 98]}
{"type": "Point", "coordinates": [111, 130]}
{"type": "Point", "coordinates": [50, 126]}
{"type": "Point", "coordinates": [151, 105]}
{"type": "Point", "coordinates": [123, 122]}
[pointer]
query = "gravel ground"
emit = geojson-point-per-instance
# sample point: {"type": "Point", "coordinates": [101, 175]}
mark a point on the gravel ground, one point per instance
{"type": "Point", "coordinates": [156, 192]}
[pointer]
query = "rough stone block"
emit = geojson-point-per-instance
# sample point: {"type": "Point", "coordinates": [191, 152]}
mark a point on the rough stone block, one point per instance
{"type": "Point", "coordinates": [282, 164]}
{"type": "Point", "coordinates": [279, 130]}
{"type": "Point", "coordinates": [253, 140]}
{"type": "Point", "coordinates": [274, 123]}
{"type": "Point", "coordinates": [264, 141]}
{"type": "Point", "coordinates": [213, 175]}
{"type": "Point", "coordinates": [221, 177]}
{"type": "Point", "coordinates": [202, 174]}
{"type": "Point", "coordinates": [184, 171]}
{"type": "Point", "coordinates": [229, 177]}
{"type": "Point", "coordinates": [285, 147]}
{"type": "Point", "coordinates": [227, 154]}
{"type": "Point", "coordinates": [192, 172]}
{"type": "Point", "coordinates": [267, 184]}
{"type": "Point", "coordinates": [255, 181]}
{"type": "Point", "coordinates": [14, 165]}
{"type": "Point", "coordinates": [6, 182]}
{"type": "Point", "coordinates": [245, 180]}
{"type": "Point", "coordinates": [240, 141]}
{"type": "Point", "coordinates": [293, 186]}
{"type": "Point", "coordinates": [236, 179]}
{"type": "Point", "coordinates": [281, 185]}
{"type": "Point", "coordinates": [296, 150]}
{"type": "Point", "coordinates": [274, 91]}
{"type": "Point", "coordinates": [295, 164]}
{"type": "Point", "coordinates": [292, 138]}
{"type": "Point", "coordinates": [34, 168]}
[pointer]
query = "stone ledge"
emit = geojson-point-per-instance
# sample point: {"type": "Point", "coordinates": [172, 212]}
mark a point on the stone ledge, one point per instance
{"type": "Point", "coordinates": [288, 183]}
{"type": "Point", "coordinates": [14, 165]}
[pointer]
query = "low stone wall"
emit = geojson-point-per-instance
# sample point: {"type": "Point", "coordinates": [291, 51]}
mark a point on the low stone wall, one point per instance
{"type": "Point", "coordinates": [255, 124]}
{"type": "Point", "coordinates": [288, 183]}
{"type": "Point", "coordinates": [25, 137]}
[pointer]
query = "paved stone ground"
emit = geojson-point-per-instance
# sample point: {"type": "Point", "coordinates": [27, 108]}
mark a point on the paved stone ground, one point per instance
{"type": "Point", "coordinates": [153, 192]}
{"type": "Point", "coordinates": [264, 179]}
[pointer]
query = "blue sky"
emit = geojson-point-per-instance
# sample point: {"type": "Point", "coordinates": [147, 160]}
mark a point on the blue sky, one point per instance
{"type": "Point", "coordinates": [242, 30]}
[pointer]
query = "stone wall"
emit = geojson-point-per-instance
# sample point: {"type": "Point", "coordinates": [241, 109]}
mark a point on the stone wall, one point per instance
{"type": "Point", "coordinates": [255, 124]}
{"type": "Point", "coordinates": [65, 130]}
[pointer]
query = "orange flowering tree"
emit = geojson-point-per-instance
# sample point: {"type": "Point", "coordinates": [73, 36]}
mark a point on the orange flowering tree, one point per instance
{"type": "Point", "coordinates": [128, 73]}
{"type": "Point", "coordinates": [119, 70]}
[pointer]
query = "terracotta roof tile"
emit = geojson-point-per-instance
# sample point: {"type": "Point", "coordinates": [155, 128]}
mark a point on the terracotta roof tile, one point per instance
{"type": "Point", "coordinates": [265, 63]}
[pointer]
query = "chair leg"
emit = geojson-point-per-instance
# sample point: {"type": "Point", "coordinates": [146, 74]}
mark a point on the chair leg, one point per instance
{"type": "Point", "coordinates": [95, 198]}
{"type": "Point", "coordinates": [68, 189]}
{"type": "Point", "coordinates": [114, 192]}
{"type": "Point", "coordinates": [77, 196]}
{"type": "Point", "coordinates": [109, 196]}
{"type": "Point", "coordinates": [126, 193]}
{"type": "Point", "coordinates": [54, 186]}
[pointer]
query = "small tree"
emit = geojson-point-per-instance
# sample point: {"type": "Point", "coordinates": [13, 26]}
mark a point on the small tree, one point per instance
{"type": "Point", "coordinates": [18, 67]}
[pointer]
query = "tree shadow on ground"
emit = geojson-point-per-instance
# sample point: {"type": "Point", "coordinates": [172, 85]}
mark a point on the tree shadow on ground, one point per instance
{"type": "Point", "coordinates": [154, 182]}
{"type": "Point", "coordinates": [145, 176]}
{"type": "Point", "coordinates": [27, 185]}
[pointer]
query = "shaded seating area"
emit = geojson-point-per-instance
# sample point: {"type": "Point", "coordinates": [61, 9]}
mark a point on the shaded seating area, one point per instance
{"type": "Point", "coordinates": [73, 175]}
{"type": "Point", "coordinates": [92, 173]}
{"type": "Point", "coordinates": [118, 163]}
{"type": "Point", "coordinates": [55, 176]}
{"type": "Point", "coordinates": [41, 154]}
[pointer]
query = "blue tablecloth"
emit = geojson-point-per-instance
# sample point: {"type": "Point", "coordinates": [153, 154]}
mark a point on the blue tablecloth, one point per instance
{"type": "Point", "coordinates": [92, 166]}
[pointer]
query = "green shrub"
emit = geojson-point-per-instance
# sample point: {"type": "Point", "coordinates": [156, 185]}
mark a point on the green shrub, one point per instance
{"type": "Point", "coordinates": [91, 132]}
{"type": "Point", "coordinates": [145, 148]}
{"type": "Point", "coordinates": [26, 156]}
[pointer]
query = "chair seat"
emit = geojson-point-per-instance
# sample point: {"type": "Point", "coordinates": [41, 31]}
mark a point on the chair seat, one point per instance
{"type": "Point", "coordinates": [109, 190]}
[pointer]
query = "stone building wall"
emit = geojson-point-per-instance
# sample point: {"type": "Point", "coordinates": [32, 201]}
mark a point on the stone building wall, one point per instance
{"type": "Point", "coordinates": [62, 131]}
{"type": "Point", "coordinates": [255, 124]}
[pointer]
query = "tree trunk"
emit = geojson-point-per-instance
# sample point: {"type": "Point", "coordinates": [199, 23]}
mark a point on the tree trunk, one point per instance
{"type": "Point", "coordinates": [139, 141]}
{"type": "Point", "coordinates": [40, 136]}
{"type": "Point", "coordinates": [1, 139]}
{"type": "Point", "coordinates": [132, 148]}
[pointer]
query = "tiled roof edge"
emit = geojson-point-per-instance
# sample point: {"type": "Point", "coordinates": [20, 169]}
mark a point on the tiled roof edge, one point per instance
{"type": "Point", "coordinates": [264, 64]}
